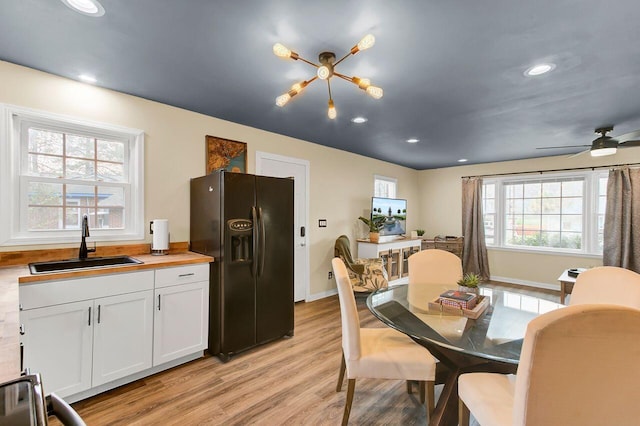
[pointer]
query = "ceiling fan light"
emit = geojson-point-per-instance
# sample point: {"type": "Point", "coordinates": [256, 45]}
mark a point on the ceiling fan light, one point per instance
{"type": "Point", "coordinates": [367, 41]}
{"type": "Point", "coordinates": [331, 112]}
{"type": "Point", "coordinates": [86, 7]}
{"type": "Point", "coordinates": [375, 92]}
{"type": "Point", "coordinates": [283, 99]}
{"type": "Point", "coordinates": [602, 152]}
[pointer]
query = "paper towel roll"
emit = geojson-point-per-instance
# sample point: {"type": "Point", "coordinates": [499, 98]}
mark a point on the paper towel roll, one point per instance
{"type": "Point", "coordinates": [160, 230]}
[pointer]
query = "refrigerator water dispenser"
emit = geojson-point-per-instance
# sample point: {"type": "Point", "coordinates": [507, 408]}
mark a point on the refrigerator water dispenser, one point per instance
{"type": "Point", "coordinates": [240, 234]}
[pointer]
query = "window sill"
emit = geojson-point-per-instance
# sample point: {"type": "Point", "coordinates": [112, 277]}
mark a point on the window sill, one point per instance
{"type": "Point", "coordinates": [548, 252]}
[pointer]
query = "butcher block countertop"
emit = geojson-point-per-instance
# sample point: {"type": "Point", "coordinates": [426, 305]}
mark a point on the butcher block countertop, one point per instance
{"type": "Point", "coordinates": [13, 276]}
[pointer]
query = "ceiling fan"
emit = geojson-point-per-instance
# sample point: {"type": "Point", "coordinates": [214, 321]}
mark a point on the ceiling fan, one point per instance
{"type": "Point", "coordinates": [605, 145]}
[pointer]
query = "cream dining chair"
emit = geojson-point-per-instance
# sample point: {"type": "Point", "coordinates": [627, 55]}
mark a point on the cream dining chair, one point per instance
{"type": "Point", "coordinates": [432, 272]}
{"type": "Point", "coordinates": [378, 353]}
{"type": "Point", "coordinates": [607, 284]}
{"type": "Point", "coordinates": [578, 367]}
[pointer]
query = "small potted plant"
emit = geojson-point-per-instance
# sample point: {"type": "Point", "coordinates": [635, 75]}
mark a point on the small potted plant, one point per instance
{"type": "Point", "coordinates": [469, 283]}
{"type": "Point", "coordinates": [375, 225]}
{"type": "Point", "coordinates": [420, 232]}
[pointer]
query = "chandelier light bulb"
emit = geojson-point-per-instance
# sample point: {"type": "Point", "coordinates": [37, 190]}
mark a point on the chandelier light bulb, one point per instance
{"type": "Point", "coordinates": [281, 51]}
{"type": "Point", "coordinates": [324, 72]}
{"type": "Point", "coordinates": [283, 99]}
{"type": "Point", "coordinates": [362, 83]}
{"type": "Point", "coordinates": [374, 92]}
{"type": "Point", "coordinates": [331, 112]}
{"type": "Point", "coordinates": [367, 41]}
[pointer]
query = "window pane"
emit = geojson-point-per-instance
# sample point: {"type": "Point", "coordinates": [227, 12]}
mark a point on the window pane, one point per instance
{"type": "Point", "coordinates": [110, 196]}
{"type": "Point", "coordinates": [551, 222]}
{"type": "Point", "coordinates": [514, 206]}
{"type": "Point", "coordinates": [80, 146]}
{"type": "Point", "coordinates": [80, 169]}
{"type": "Point", "coordinates": [45, 142]}
{"type": "Point", "coordinates": [531, 222]}
{"type": "Point", "coordinates": [572, 188]}
{"type": "Point", "coordinates": [111, 172]}
{"type": "Point", "coordinates": [551, 189]}
{"type": "Point", "coordinates": [489, 206]}
{"type": "Point", "coordinates": [532, 190]}
{"type": "Point", "coordinates": [44, 218]}
{"type": "Point", "coordinates": [45, 194]}
{"type": "Point", "coordinates": [513, 191]}
{"type": "Point", "coordinates": [571, 205]}
{"type": "Point", "coordinates": [72, 219]}
{"type": "Point", "coordinates": [489, 190]}
{"type": "Point", "coordinates": [110, 218]}
{"type": "Point", "coordinates": [572, 222]}
{"type": "Point", "coordinates": [80, 195]}
{"type": "Point", "coordinates": [551, 205]}
{"type": "Point", "coordinates": [44, 165]}
{"type": "Point", "coordinates": [571, 240]}
{"type": "Point", "coordinates": [532, 206]}
{"type": "Point", "coordinates": [110, 151]}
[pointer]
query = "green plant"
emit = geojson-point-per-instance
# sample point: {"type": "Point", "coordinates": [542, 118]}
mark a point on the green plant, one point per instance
{"type": "Point", "coordinates": [375, 224]}
{"type": "Point", "coordinates": [469, 279]}
{"type": "Point", "coordinates": [420, 232]}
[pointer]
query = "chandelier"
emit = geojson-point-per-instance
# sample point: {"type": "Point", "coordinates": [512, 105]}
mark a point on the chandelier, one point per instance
{"type": "Point", "coordinates": [326, 70]}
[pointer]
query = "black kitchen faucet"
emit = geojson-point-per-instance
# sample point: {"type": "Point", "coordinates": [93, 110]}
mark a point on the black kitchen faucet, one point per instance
{"type": "Point", "coordinates": [84, 251]}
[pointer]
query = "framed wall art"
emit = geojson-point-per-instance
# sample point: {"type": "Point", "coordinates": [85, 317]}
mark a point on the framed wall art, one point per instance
{"type": "Point", "coordinates": [226, 154]}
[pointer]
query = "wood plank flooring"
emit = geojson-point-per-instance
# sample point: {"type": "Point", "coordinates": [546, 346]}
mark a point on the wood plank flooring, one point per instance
{"type": "Point", "coordinates": [287, 382]}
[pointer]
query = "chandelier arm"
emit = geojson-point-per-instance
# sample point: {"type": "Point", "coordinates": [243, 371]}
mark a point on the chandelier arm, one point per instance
{"type": "Point", "coordinates": [308, 62]}
{"type": "Point", "coordinates": [329, 87]}
{"type": "Point", "coordinates": [342, 59]}
{"type": "Point", "coordinates": [344, 77]}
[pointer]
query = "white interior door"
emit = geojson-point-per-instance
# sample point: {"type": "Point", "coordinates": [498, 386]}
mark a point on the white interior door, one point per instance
{"type": "Point", "coordinates": [281, 166]}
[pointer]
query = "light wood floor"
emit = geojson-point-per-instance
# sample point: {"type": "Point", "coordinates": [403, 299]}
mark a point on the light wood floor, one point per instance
{"type": "Point", "coordinates": [289, 382]}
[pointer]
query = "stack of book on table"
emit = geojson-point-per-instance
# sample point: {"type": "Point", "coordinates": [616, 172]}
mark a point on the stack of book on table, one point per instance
{"type": "Point", "coordinates": [458, 299]}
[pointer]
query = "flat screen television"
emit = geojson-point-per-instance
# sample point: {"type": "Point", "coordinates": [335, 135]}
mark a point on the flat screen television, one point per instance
{"type": "Point", "coordinates": [394, 210]}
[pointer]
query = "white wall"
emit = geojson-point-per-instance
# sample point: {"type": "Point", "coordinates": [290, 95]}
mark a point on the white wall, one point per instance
{"type": "Point", "coordinates": [341, 184]}
{"type": "Point", "coordinates": [441, 209]}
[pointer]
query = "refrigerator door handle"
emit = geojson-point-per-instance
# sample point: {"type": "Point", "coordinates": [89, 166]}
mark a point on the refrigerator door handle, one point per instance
{"type": "Point", "coordinates": [263, 240]}
{"type": "Point", "coordinates": [254, 258]}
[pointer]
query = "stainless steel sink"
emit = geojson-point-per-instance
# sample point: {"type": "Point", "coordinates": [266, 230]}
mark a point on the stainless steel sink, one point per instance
{"type": "Point", "coordinates": [75, 264]}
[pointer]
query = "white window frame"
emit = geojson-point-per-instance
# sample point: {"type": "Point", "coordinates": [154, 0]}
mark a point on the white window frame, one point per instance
{"type": "Point", "coordinates": [12, 229]}
{"type": "Point", "coordinates": [392, 182]}
{"type": "Point", "coordinates": [590, 216]}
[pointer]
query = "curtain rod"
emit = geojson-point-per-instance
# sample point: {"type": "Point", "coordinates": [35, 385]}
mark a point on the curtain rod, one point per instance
{"type": "Point", "coordinates": [553, 170]}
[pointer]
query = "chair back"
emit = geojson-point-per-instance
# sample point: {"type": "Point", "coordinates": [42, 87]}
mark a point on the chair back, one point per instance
{"type": "Point", "coordinates": [607, 284]}
{"type": "Point", "coordinates": [579, 366]}
{"type": "Point", "coordinates": [348, 312]}
{"type": "Point", "coordinates": [431, 272]}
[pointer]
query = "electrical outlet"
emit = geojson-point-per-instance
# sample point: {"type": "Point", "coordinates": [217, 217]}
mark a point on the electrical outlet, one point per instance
{"type": "Point", "coordinates": [330, 274]}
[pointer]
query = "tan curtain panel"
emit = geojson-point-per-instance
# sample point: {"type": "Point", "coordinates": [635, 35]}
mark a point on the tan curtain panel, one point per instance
{"type": "Point", "coordinates": [474, 254]}
{"type": "Point", "coordinates": [621, 245]}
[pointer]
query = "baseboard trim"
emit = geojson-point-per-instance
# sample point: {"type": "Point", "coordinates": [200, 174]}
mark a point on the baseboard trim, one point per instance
{"type": "Point", "coordinates": [318, 296]}
{"type": "Point", "coordinates": [534, 284]}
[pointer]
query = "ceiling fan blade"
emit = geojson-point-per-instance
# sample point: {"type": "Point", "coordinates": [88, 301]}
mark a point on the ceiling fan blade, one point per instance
{"type": "Point", "coordinates": [628, 136]}
{"type": "Point", "coordinates": [579, 153]}
{"type": "Point", "coordinates": [558, 147]}
{"type": "Point", "coordinates": [629, 144]}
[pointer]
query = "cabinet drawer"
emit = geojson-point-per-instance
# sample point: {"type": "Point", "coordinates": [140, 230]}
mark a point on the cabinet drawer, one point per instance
{"type": "Point", "coordinates": [182, 275]}
{"type": "Point", "coordinates": [49, 293]}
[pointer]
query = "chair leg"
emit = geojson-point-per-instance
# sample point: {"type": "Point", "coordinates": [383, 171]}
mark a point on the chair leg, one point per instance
{"type": "Point", "coordinates": [351, 386]}
{"type": "Point", "coordinates": [463, 413]}
{"type": "Point", "coordinates": [409, 387]}
{"type": "Point", "coordinates": [343, 368]}
{"type": "Point", "coordinates": [422, 388]}
{"type": "Point", "coordinates": [431, 396]}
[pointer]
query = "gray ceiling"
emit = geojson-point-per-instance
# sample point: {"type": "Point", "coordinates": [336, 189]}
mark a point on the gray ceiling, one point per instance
{"type": "Point", "coordinates": [452, 71]}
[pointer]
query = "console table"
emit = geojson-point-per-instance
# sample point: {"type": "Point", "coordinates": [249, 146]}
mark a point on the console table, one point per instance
{"type": "Point", "coordinates": [566, 283]}
{"type": "Point", "coordinates": [395, 255]}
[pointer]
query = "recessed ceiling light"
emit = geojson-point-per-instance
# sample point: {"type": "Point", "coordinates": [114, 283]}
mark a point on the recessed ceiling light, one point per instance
{"type": "Point", "coordinates": [413, 140]}
{"type": "Point", "coordinates": [539, 69]}
{"type": "Point", "coordinates": [87, 78]}
{"type": "Point", "coordinates": [359, 120]}
{"type": "Point", "coordinates": [86, 7]}
{"type": "Point", "coordinates": [462, 160]}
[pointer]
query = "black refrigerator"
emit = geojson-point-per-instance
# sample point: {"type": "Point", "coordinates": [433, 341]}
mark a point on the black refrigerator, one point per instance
{"type": "Point", "coordinates": [246, 223]}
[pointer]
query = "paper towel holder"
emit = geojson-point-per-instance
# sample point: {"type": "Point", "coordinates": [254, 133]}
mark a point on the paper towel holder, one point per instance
{"type": "Point", "coordinates": [161, 235]}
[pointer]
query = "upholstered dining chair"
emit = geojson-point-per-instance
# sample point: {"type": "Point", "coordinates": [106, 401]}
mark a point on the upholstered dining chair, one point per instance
{"type": "Point", "coordinates": [378, 353]}
{"type": "Point", "coordinates": [578, 367]}
{"type": "Point", "coordinates": [431, 272]}
{"type": "Point", "coordinates": [607, 284]}
{"type": "Point", "coordinates": [366, 275]}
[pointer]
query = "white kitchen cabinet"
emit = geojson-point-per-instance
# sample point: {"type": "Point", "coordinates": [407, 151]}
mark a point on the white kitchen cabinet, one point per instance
{"type": "Point", "coordinates": [181, 312]}
{"type": "Point", "coordinates": [58, 344]}
{"type": "Point", "coordinates": [123, 333]}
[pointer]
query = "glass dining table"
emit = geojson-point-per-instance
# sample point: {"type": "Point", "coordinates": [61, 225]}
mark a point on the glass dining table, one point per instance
{"type": "Point", "coordinates": [490, 343]}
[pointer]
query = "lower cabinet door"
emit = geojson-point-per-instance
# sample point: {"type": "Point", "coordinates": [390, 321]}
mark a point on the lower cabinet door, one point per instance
{"type": "Point", "coordinates": [123, 335]}
{"type": "Point", "coordinates": [58, 345]}
{"type": "Point", "coordinates": [181, 321]}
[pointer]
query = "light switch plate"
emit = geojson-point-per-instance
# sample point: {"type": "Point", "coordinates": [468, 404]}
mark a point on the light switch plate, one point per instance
{"type": "Point", "coordinates": [322, 223]}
